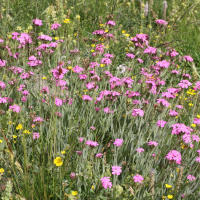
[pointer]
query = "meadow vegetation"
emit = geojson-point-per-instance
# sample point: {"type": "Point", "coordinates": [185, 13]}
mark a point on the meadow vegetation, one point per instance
{"type": "Point", "coordinates": [99, 99]}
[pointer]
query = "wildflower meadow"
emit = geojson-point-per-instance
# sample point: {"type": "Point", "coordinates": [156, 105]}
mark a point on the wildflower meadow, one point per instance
{"type": "Point", "coordinates": [99, 100]}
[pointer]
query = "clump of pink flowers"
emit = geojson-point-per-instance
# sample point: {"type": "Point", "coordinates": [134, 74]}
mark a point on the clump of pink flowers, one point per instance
{"type": "Point", "coordinates": [138, 178]}
{"type": "Point", "coordinates": [161, 22]}
{"type": "Point", "coordinates": [116, 170]}
{"type": "Point", "coordinates": [174, 156]}
{"type": "Point", "coordinates": [106, 182]}
{"type": "Point", "coordinates": [118, 142]}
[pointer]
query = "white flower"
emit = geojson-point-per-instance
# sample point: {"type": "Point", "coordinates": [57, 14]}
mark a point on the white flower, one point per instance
{"type": "Point", "coordinates": [122, 68]}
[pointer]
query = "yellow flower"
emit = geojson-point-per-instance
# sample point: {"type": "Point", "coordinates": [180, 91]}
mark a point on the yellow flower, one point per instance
{"type": "Point", "coordinates": [74, 193]}
{"type": "Point", "coordinates": [19, 127]}
{"type": "Point", "coordinates": [14, 136]}
{"type": "Point", "coordinates": [62, 152]}
{"type": "Point", "coordinates": [30, 27]}
{"type": "Point", "coordinates": [123, 31]}
{"type": "Point", "coordinates": [198, 116]}
{"type": "Point", "coordinates": [1, 170]}
{"type": "Point", "coordinates": [66, 21]}
{"type": "Point", "coordinates": [78, 17]}
{"type": "Point", "coordinates": [106, 31]}
{"type": "Point", "coordinates": [193, 125]}
{"type": "Point", "coordinates": [32, 125]}
{"type": "Point", "coordinates": [1, 141]}
{"type": "Point", "coordinates": [123, 115]}
{"type": "Point", "coordinates": [56, 38]}
{"type": "Point", "coordinates": [168, 186]}
{"type": "Point", "coordinates": [102, 65]}
{"type": "Point", "coordinates": [26, 131]}
{"type": "Point", "coordinates": [172, 175]}
{"type": "Point", "coordinates": [70, 67]}
{"type": "Point", "coordinates": [163, 197]}
{"type": "Point", "coordinates": [58, 161]}
{"type": "Point", "coordinates": [190, 104]}
{"type": "Point", "coordinates": [9, 36]}
{"type": "Point", "coordinates": [177, 169]}
{"type": "Point", "coordinates": [176, 95]}
{"type": "Point", "coordinates": [100, 24]}
{"type": "Point", "coordinates": [44, 78]}
{"type": "Point", "coordinates": [92, 187]}
{"type": "Point", "coordinates": [9, 122]}
{"type": "Point", "coordinates": [92, 51]}
{"type": "Point", "coordinates": [92, 45]}
{"type": "Point", "coordinates": [170, 196]}
{"type": "Point", "coordinates": [127, 35]}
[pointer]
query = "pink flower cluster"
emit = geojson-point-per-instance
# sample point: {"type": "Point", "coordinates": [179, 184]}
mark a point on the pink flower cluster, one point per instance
{"type": "Point", "coordinates": [106, 182]}
{"type": "Point", "coordinates": [175, 156]}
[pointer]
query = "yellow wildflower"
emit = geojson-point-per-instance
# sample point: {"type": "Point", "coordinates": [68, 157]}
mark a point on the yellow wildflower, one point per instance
{"type": "Point", "coordinates": [58, 161]}
{"type": "Point", "coordinates": [102, 65]}
{"type": "Point", "coordinates": [123, 31]}
{"type": "Point", "coordinates": [19, 127]}
{"type": "Point", "coordinates": [56, 38]}
{"type": "Point", "coordinates": [170, 196]}
{"type": "Point", "coordinates": [190, 104]}
{"type": "Point", "coordinates": [70, 67]}
{"type": "Point", "coordinates": [193, 125]}
{"type": "Point", "coordinates": [44, 78]}
{"type": "Point", "coordinates": [127, 35]}
{"type": "Point", "coordinates": [106, 31]}
{"type": "Point", "coordinates": [74, 193]}
{"type": "Point", "coordinates": [62, 152]}
{"type": "Point", "coordinates": [92, 187]}
{"type": "Point", "coordinates": [66, 21]}
{"type": "Point", "coordinates": [92, 51]}
{"type": "Point", "coordinates": [198, 116]}
{"type": "Point", "coordinates": [26, 131]}
{"type": "Point", "coordinates": [92, 45]}
{"type": "Point", "coordinates": [32, 125]}
{"type": "Point", "coordinates": [177, 169]}
{"type": "Point", "coordinates": [1, 141]}
{"type": "Point", "coordinates": [168, 186]}
{"type": "Point", "coordinates": [14, 136]}
{"type": "Point", "coordinates": [1, 170]}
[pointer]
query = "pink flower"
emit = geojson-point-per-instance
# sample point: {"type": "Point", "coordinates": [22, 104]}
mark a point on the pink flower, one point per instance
{"type": "Point", "coordinates": [130, 55]}
{"type": "Point", "coordinates": [36, 135]}
{"type": "Point", "coordinates": [92, 143]}
{"type": "Point", "coordinates": [198, 159]}
{"type": "Point", "coordinates": [98, 32]}
{"type": "Point", "coordinates": [140, 150]}
{"type": "Point", "coordinates": [138, 178]}
{"type": "Point", "coordinates": [1, 41]}
{"type": "Point", "coordinates": [45, 90]}
{"type": "Point", "coordinates": [92, 127]}
{"type": "Point", "coordinates": [72, 175]}
{"type": "Point", "coordinates": [153, 143]}
{"type": "Point", "coordinates": [38, 119]}
{"type": "Point", "coordinates": [81, 139]}
{"type": "Point", "coordinates": [187, 75]}
{"type": "Point", "coordinates": [188, 58]}
{"type": "Point", "coordinates": [116, 170]}
{"type": "Point", "coordinates": [107, 55]}
{"type": "Point", "coordinates": [79, 152]}
{"type": "Point", "coordinates": [58, 102]}
{"type": "Point", "coordinates": [111, 23]}
{"type": "Point", "coordinates": [164, 102]}
{"type": "Point", "coordinates": [174, 155]}
{"type": "Point", "coordinates": [15, 108]}
{"type": "Point", "coordinates": [190, 177]}
{"type": "Point", "coordinates": [183, 195]}
{"type": "Point", "coordinates": [55, 26]}
{"type": "Point", "coordinates": [2, 63]}
{"type": "Point", "coordinates": [161, 22]}
{"type": "Point", "coordinates": [106, 182]}
{"type": "Point", "coordinates": [118, 142]}
{"type": "Point", "coordinates": [137, 112]}
{"type": "Point", "coordinates": [195, 138]}
{"type": "Point", "coordinates": [106, 61]}
{"type": "Point", "coordinates": [173, 113]}
{"type": "Point", "coordinates": [83, 76]}
{"type": "Point", "coordinates": [86, 97]}
{"type": "Point", "coordinates": [179, 106]}
{"type": "Point", "coordinates": [140, 60]}
{"type": "Point", "coordinates": [153, 154]}
{"type": "Point", "coordinates": [163, 64]}
{"type": "Point", "coordinates": [107, 110]}
{"type": "Point", "coordinates": [161, 123]}
{"type": "Point", "coordinates": [2, 85]}
{"type": "Point", "coordinates": [184, 84]}
{"type": "Point", "coordinates": [99, 155]}
{"type": "Point", "coordinates": [37, 22]}
{"type": "Point", "coordinates": [97, 109]}
{"type": "Point", "coordinates": [198, 151]}
{"type": "Point", "coordinates": [150, 50]}
{"type": "Point", "coordinates": [77, 69]}
{"type": "Point", "coordinates": [44, 37]}
{"type": "Point", "coordinates": [90, 85]}
{"type": "Point", "coordinates": [174, 72]}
